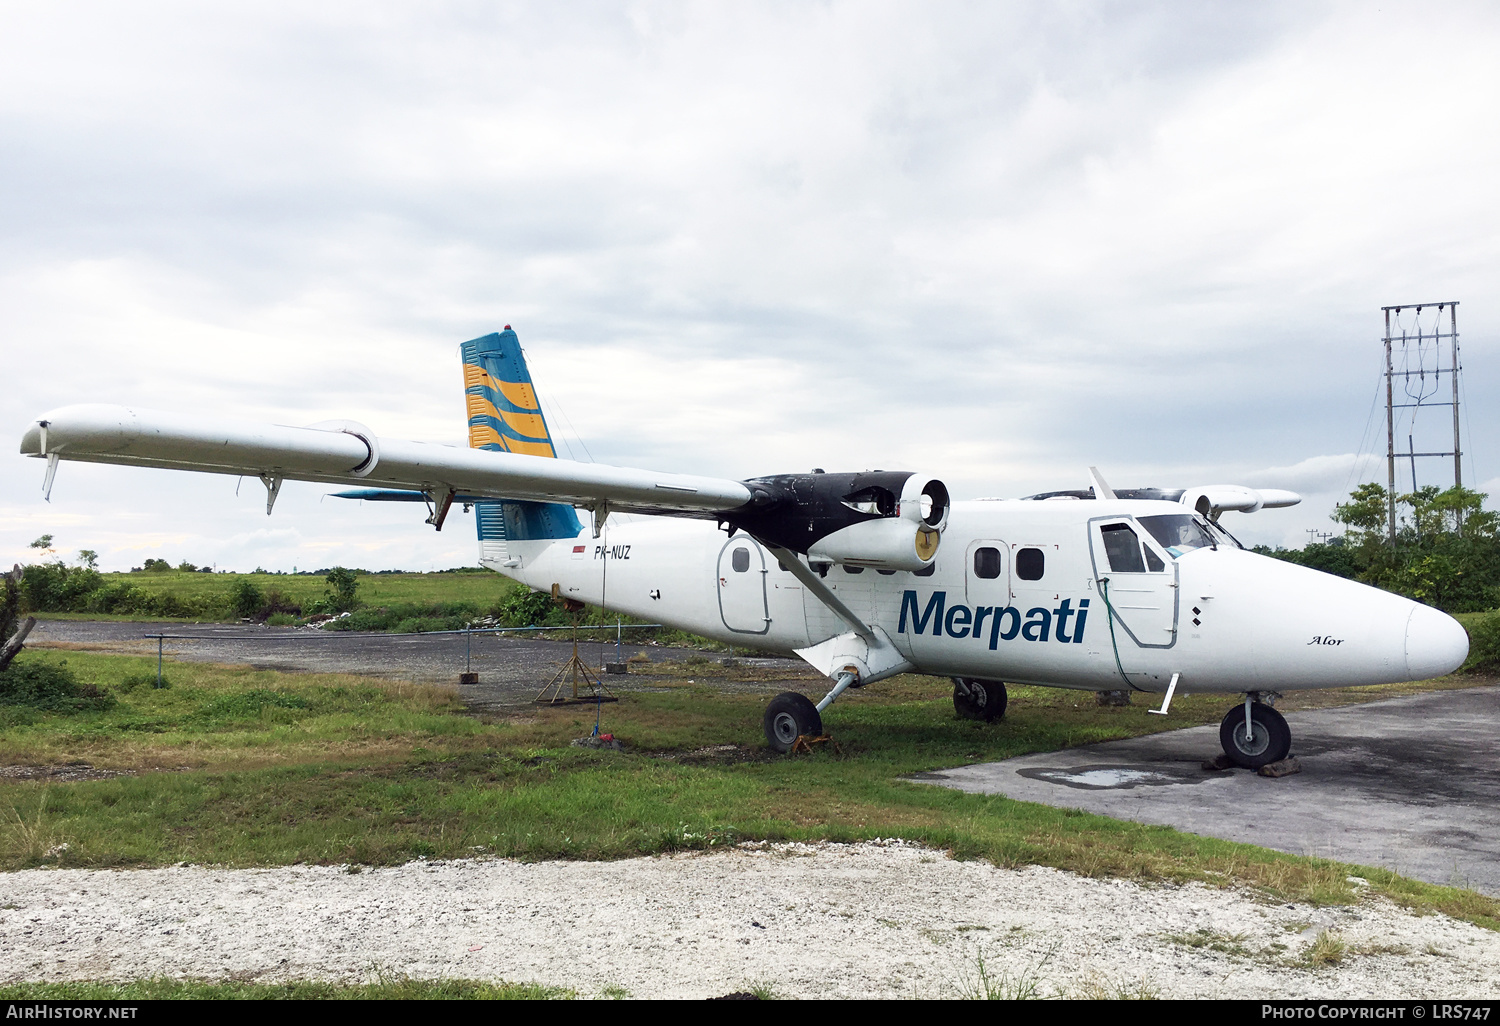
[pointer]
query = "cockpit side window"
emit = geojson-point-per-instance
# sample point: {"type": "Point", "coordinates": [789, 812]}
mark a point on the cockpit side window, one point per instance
{"type": "Point", "coordinates": [1178, 532]}
{"type": "Point", "coordinates": [1123, 549]}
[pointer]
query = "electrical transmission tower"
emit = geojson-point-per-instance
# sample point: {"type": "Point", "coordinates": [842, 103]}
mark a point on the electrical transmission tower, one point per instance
{"type": "Point", "coordinates": [1422, 368]}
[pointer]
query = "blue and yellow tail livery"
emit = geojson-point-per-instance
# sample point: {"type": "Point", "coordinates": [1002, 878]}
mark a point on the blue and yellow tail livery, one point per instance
{"type": "Point", "coordinates": [506, 416]}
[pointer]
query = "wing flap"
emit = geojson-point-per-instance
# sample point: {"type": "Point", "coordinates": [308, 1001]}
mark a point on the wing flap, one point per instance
{"type": "Point", "coordinates": [351, 454]}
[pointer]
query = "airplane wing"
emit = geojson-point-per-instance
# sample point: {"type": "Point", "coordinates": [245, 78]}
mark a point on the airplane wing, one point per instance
{"type": "Point", "coordinates": [345, 452]}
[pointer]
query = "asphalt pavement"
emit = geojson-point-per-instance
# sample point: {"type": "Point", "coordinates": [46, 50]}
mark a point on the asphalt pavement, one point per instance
{"type": "Point", "coordinates": [512, 668]}
{"type": "Point", "coordinates": [1409, 784]}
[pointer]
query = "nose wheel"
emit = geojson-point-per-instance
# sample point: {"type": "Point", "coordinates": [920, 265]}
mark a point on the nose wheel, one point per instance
{"type": "Point", "coordinates": [1268, 739]}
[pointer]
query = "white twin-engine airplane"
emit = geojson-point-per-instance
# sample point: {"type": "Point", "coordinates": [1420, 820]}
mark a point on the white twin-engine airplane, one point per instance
{"type": "Point", "coordinates": [863, 575]}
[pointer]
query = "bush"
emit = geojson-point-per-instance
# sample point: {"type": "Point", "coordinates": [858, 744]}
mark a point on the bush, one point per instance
{"type": "Point", "coordinates": [1484, 644]}
{"type": "Point", "coordinates": [280, 620]}
{"type": "Point", "coordinates": [246, 598]}
{"type": "Point", "coordinates": [57, 587]}
{"type": "Point", "coordinates": [49, 686]}
{"type": "Point", "coordinates": [342, 593]}
{"type": "Point", "coordinates": [276, 602]}
{"type": "Point", "coordinates": [524, 608]}
{"type": "Point", "coordinates": [119, 597]}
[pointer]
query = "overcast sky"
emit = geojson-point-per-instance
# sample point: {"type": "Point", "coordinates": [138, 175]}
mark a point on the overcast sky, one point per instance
{"type": "Point", "coordinates": [995, 242]}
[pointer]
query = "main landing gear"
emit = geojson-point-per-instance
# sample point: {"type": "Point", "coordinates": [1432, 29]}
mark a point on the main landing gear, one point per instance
{"type": "Point", "coordinates": [975, 699]}
{"type": "Point", "coordinates": [1254, 734]}
{"type": "Point", "coordinates": [790, 715]}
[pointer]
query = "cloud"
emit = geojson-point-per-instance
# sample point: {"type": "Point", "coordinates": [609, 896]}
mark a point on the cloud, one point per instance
{"type": "Point", "coordinates": [997, 242]}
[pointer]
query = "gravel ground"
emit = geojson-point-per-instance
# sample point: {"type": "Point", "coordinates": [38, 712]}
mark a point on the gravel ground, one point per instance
{"type": "Point", "coordinates": [826, 920]}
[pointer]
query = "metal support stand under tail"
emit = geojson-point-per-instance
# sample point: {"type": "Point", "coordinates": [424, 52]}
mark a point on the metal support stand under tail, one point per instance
{"type": "Point", "coordinates": [570, 672]}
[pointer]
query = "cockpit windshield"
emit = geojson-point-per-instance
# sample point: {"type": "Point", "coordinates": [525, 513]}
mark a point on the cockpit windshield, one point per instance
{"type": "Point", "coordinates": [1182, 532]}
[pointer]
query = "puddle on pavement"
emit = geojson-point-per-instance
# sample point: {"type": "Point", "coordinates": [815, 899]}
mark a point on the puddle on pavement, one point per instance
{"type": "Point", "coordinates": [1106, 778]}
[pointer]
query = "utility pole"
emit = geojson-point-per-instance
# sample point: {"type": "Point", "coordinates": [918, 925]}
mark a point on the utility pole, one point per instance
{"type": "Point", "coordinates": [1412, 338]}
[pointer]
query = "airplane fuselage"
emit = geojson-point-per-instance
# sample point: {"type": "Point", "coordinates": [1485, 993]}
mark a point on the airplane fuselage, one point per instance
{"type": "Point", "coordinates": [1025, 591]}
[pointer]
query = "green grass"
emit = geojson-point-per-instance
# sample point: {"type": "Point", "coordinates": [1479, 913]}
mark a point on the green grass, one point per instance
{"type": "Point", "coordinates": [483, 589]}
{"type": "Point", "coordinates": [241, 767]}
{"type": "Point", "coordinates": [163, 989]}
{"type": "Point", "coordinates": [402, 603]}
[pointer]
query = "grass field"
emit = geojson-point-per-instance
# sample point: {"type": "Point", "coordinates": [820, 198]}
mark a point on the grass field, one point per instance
{"type": "Point", "coordinates": [483, 588]}
{"type": "Point", "coordinates": [241, 767]}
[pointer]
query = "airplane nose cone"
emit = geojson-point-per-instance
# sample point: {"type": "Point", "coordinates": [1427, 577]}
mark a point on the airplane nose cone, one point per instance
{"type": "Point", "coordinates": [1436, 644]}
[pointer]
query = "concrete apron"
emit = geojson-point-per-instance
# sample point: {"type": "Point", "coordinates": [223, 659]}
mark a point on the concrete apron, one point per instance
{"type": "Point", "coordinates": [1409, 784]}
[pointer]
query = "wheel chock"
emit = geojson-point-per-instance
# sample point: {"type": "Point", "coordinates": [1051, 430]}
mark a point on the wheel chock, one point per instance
{"type": "Point", "coordinates": [1285, 768]}
{"type": "Point", "coordinates": [805, 742]}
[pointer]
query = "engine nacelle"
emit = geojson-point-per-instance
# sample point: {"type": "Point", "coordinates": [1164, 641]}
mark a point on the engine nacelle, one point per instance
{"type": "Point", "coordinates": [924, 501]}
{"type": "Point", "coordinates": [893, 543]}
{"type": "Point", "coordinates": [889, 520]}
{"type": "Point", "coordinates": [1212, 500]}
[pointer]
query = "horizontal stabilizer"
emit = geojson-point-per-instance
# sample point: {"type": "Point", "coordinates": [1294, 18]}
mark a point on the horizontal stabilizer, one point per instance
{"type": "Point", "coordinates": [346, 453]}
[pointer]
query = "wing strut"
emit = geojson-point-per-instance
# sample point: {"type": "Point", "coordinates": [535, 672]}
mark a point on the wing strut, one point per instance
{"type": "Point", "coordinates": [810, 579]}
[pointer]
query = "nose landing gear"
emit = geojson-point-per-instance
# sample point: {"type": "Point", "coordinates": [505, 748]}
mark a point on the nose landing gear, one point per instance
{"type": "Point", "coordinates": [1254, 735]}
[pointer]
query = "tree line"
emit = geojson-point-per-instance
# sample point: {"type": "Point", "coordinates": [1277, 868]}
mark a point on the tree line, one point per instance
{"type": "Point", "coordinates": [1446, 551]}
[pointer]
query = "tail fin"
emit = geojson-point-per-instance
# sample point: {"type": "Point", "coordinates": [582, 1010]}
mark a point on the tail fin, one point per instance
{"type": "Point", "coordinates": [505, 416]}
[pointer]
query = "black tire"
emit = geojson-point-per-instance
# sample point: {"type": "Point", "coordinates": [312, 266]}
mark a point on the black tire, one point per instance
{"type": "Point", "coordinates": [1270, 740]}
{"type": "Point", "coordinates": [975, 699]}
{"type": "Point", "coordinates": [788, 717]}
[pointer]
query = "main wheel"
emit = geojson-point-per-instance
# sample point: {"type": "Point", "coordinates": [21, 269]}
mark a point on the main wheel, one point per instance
{"type": "Point", "coordinates": [975, 699]}
{"type": "Point", "coordinates": [788, 717]}
{"type": "Point", "coordinates": [1270, 738]}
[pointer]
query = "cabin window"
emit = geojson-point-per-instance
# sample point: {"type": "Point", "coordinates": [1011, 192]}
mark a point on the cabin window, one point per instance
{"type": "Point", "coordinates": [886, 573]}
{"type": "Point", "coordinates": [1123, 549]}
{"type": "Point", "coordinates": [1031, 564]}
{"type": "Point", "coordinates": [987, 563]}
{"type": "Point", "coordinates": [854, 569]}
{"type": "Point", "coordinates": [740, 560]}
{"type": "Point", "coordinates": [926, 571]}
